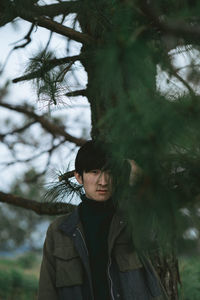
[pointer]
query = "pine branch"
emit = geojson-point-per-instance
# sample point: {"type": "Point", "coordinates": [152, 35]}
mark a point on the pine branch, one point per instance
{"type": "Point", "coordinates": [47, 67]}
{"type": "Point", "coordinates": [51, 127]}
{"type": "Point", "coordinates": [184, 82]}
{"type": "Point", "coordinates": [51, 10]}
{"type": "Point", "coordinates": [77, 93]}
{"type": "Point", "coordinates": [56, 9]}
{"type": "Point", "coordinates": [182, 30]}
{"type": "Point", "coordinates": [190, 33]}
{"type": "Point", "coordinates": [58, 28]}
{"type": "Point", "coordinates": [30, 13]}
{"type": "Point", "coordinates": [66, 175]}
{"type": "Point", "coordinates": [37, 207]}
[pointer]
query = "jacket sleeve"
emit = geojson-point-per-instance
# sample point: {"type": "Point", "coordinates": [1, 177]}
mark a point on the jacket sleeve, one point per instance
{"type": "Point", "coordinates": [47, 281]}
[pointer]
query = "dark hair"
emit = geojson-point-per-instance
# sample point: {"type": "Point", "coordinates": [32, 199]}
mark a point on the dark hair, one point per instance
{"type": "Point", "coordinates": [92, 155]}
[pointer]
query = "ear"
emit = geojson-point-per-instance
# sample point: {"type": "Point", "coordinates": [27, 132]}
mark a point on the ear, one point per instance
{"type": "Point", "coordinates": [78, 177]}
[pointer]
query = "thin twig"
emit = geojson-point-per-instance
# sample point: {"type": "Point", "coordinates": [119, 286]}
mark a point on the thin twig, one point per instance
{"type": "Point", "coordinates": [28, 40]}
{"type": "Point", "coordinates": [50, 150]}
{"type": "Point", "coordinates": [17, 130]}
{"type": "Point", "coordinates": [184, 82]}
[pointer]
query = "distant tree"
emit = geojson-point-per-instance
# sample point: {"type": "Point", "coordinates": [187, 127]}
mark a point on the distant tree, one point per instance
{"type": "Point", "coordinates": [124, 43]}
{"type": "Point", "coordinates": [18, 225]}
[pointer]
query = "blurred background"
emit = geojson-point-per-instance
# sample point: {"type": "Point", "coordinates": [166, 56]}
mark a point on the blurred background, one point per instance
{"type": "Point", "coordinates": [31, 159]}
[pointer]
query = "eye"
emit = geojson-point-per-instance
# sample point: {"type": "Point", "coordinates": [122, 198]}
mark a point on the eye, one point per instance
{"type": "Point", "coordinates": [95, 171]}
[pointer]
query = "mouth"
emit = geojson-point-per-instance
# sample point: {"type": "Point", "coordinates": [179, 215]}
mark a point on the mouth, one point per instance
{"type": "Point", "coordinates": [102, 191]}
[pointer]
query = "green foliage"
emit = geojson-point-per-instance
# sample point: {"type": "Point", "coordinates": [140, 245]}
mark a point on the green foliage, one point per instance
{"type": "Point", "coordinates": [14, 282]}
{"type": "Point", "coordinates": [27, 261]}
{"type": "Point", "coordinates": [49, 79]}
{"type": "Point", "coordinates": [143, 124]}
{"type": "Point", "coordinates": [190, 274]}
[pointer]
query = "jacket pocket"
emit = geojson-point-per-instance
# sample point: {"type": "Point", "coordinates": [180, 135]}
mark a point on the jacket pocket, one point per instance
{"type": "Point", "coordinates": [69, 270]}
{"type": "Point", "coordinates": [126, 258]}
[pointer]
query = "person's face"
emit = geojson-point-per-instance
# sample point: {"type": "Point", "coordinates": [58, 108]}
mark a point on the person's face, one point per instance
{"type": "Point", "coordinates": [97, 184]}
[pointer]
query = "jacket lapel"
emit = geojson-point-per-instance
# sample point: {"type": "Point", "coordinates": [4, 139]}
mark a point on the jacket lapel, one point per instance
{"type": "Point", "coordinates": [73, 228]}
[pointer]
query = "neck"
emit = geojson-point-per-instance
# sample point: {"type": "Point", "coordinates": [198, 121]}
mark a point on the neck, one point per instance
{"type": "Point", "coordinates": [99, 205]}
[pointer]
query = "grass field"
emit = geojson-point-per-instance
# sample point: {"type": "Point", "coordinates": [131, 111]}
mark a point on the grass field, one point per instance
{"type": "Point", "coordinates": [190, 276]}
{"type": "Point", "coordinates": [19, 277]}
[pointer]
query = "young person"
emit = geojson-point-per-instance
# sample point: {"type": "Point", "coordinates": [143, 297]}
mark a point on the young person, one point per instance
{"type": "Point", "coordinates": [88, 254]}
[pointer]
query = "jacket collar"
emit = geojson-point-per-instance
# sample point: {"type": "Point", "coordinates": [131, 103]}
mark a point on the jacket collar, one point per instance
{"type": "Point", "coordinates": [69, 225]}
{"type": "Point", "coordinates": [71, 222]}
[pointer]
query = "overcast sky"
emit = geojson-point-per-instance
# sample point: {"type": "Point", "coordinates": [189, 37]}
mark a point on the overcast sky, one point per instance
{"type": "Point", "coordinates": [73, 110]}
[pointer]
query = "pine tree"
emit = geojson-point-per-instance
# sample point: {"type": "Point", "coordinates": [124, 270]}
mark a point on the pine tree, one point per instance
{"type": "Point", "coordinates": [124, 43]}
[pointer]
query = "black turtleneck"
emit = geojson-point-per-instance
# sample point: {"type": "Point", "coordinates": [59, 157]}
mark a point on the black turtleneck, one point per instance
{"type": "Point", "coordinates": [96, 217]}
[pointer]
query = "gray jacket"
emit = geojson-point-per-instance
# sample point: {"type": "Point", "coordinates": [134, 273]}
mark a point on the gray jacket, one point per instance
{"type": "Point", "coordinates": [65, 271]}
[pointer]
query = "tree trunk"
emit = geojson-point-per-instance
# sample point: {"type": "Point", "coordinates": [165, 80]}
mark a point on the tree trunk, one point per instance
{"type": "Point", "coordinates": [166, 267]}
{"type": "Point", "coordinates": [102, 101]}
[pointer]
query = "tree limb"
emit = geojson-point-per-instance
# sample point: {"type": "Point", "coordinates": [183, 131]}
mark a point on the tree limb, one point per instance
{"type": "Point", "coordinates": [38, 207]}
{"type": "Point", "coordinates": [58, 28]}
{"type": "Point", "coordinates": [51, 10]}
{"type": "Point", "coordinates": [77, 93]}
{"type": "Point", "coordinates": [51, 127]}
{"type": "Point", "coordinates": [56, 9]}
{"type": "Point", "coordinates": [178, 29]}
{"type": "Point", "coordinates": [30, 14]}
{"type": "Point", "coordinates": [182, 30]}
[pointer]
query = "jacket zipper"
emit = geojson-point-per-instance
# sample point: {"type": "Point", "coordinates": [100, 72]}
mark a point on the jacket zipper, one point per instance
{"type": "Point", "coordinates": [109, 264]}
{"type": "Point", "coordinates": [109, 276]}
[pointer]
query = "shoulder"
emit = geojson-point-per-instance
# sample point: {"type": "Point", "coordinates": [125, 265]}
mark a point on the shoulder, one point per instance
{"type": "Point", "coordinates": [54, 226]}
{"type": "Point", "coordinates": [55, 236]}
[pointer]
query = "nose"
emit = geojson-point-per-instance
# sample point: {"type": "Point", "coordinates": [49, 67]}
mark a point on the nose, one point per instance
{"type": "Point", "coordinates": [103, 178]}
